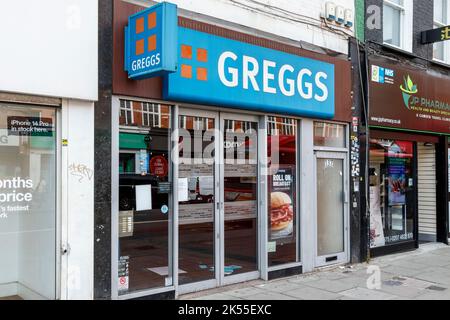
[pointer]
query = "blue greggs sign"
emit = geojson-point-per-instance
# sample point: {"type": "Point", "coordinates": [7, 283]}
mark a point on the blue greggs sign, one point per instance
{"type": "Point", "coordinates": [217, 71]}
{"type": "Point", "coordinates": [151, 42]}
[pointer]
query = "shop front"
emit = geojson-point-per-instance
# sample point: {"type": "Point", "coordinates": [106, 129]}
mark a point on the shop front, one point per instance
{"type": "Point", "coordinates": [409, 119]}
{"type": "Point", "coordinates": [230, 167]}
{"type": "Point", "coordinates": [28, 201]}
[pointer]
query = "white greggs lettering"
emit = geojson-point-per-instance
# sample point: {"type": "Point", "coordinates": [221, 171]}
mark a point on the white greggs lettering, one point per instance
{"type": "Point", "coordinates": [289, 80]}
{"type": "Point", "coordinates": [147, 62]}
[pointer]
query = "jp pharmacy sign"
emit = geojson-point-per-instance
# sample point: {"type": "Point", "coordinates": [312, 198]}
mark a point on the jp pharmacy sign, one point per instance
{"type": "Point", "coordinates": [150, 42]}
{"type": "Point", "coordinates": [406, 98]}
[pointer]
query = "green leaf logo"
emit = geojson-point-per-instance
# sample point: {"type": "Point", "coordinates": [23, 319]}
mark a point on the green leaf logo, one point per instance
{"type": "Point", "coordinates": [410, 83]}
{"type": "Point", "coordinates": [409, 86]}
{"type": "Point", "coordinates": [409, 89]}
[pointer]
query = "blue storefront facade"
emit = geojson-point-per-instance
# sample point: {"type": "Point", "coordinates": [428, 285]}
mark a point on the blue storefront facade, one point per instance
{"type": "Point", "coordinates": [230, 157]}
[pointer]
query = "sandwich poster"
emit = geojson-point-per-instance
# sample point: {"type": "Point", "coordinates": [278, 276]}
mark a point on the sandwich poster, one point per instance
{"type": "Point", "coordinates": [281, 213]}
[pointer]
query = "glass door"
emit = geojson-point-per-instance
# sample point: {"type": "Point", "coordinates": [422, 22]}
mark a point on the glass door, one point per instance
{"type": "Point", "coordinates": [331, 205]}
{"type": "Point", "coordinates": [217, 193]}
{"type": "Point", "coordinates": [239, 198]}
{"type": "Point", "coordinates": [198, 203]}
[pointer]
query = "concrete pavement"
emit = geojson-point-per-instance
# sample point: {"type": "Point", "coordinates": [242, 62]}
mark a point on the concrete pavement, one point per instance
{"type": "Point", "coordinates": [423, 274]}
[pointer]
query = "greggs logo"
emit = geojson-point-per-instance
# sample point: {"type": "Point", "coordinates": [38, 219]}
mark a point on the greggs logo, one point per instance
{"type": "Point", "coordinates": [151, 41]}
{"type": "Point", "coordinates": [146, 43]}
{"type": "Point", "coordinates": [194, 62]}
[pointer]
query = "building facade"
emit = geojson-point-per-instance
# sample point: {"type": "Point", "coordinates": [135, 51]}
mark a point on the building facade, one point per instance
{"type": "Point", "coordinates": [405, 121]}
{"type": "Point", "coordinates": [219, 171]}
{"type": "Point", "coordinates": [48, 86]}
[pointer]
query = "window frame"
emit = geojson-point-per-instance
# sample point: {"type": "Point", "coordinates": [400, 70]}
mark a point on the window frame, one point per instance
{"type": "Point", "coordinates": [440, 24]}
{"type": "Point", "coordinates": [406, 24]}
{"type": "Point", "coordinates": [127, 103]}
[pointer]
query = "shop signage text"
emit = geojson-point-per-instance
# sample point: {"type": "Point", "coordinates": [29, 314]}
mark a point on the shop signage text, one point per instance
{"type": "Point", "coordinates": [30, 126]}
{"type": "Point", "coordinates": [150, 42]}
{"type": "Point", "coordinates": [436, 35]}
{"type": "Point", "coordinates": [219, 71]}
{"type": "Point", "coordinates": [15, 195]}
{"type": "Point", "coordinates": [408, 99]}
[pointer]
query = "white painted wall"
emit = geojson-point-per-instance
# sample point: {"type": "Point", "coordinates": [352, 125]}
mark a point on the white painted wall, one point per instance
{"type": "Point", "coordinates": [297, 20]}
{"type": "Point", "coordinates": [78, 200]}
{"type": "Point", "coordinates": [49, 47]}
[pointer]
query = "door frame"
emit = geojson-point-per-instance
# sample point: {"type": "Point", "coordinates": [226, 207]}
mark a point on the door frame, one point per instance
{"type": "Point", "coordinates": [342, 257]}
{"type": "Point", "coordinates": [219, 222]}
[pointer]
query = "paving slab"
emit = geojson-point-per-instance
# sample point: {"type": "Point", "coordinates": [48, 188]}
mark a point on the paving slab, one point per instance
{"type": "Point", "coordinates": [367, 294]}
{"type": "Point", "coordinates": [268, 296]}
{"type": "Point", "coordinates": [310, 293]}
{"type": "Point", "coordinates": [423, 275]}
{"type": "Point", "coordinates": [280, 286]}
{"type": "Point", "coordinates": [433, 277]}
{"type": "Point", "coordinates": [402, 291]}
{"type": "Point", "coordinates": [217, 296]}
{"type": "Point", "coordinates": [245, 292]}
{"type": "Point", "coordinates": [401, 271]}
{"type": "Point", "coordinates": [410, 264]}
{"type": "Point", "coordinates": [334, 286]}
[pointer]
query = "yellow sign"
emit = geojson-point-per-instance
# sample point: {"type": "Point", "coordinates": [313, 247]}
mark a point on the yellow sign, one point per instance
{"type": "Point", "coordinates": [445, 33]}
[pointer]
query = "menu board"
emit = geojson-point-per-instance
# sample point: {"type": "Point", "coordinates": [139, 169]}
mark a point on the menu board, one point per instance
{"type": "Point", "coordinates": [281, 209]}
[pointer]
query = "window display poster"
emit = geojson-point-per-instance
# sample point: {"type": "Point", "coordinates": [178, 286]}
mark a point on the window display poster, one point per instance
{"type": "Point", "coordinates": [376, 222]}
{"type": "Point", "coordinates": [206, 185]}
{"type": "Point", "coordinates": [281, 210]}
{"type": "Point", "coordinates": [144, 197]}
{"type": "Point", "coordinates": [183, 190]}
{"type": "Point", "coordinates": [123, 280]}
{"type": "Point", "coordinates": [143, 162]}
{"type": "Point", "coordinates": [159, 166]}
{"type": "Point", "coordinates": [397, 181]}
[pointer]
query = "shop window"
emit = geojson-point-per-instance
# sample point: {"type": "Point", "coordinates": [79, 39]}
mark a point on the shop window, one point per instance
{"type": "Point", "coordinates": [27, 202]}
{"type": "Point", "coordinates": [441, 19]}
{"type": "Point", "coordinates": [144, 197]}
{"type": "Point", "coordinates": [329, 135]}
{"type": "Point", "coordinates": [392, 195]}
{"type": "Point", "coordinates": [282, 197]}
